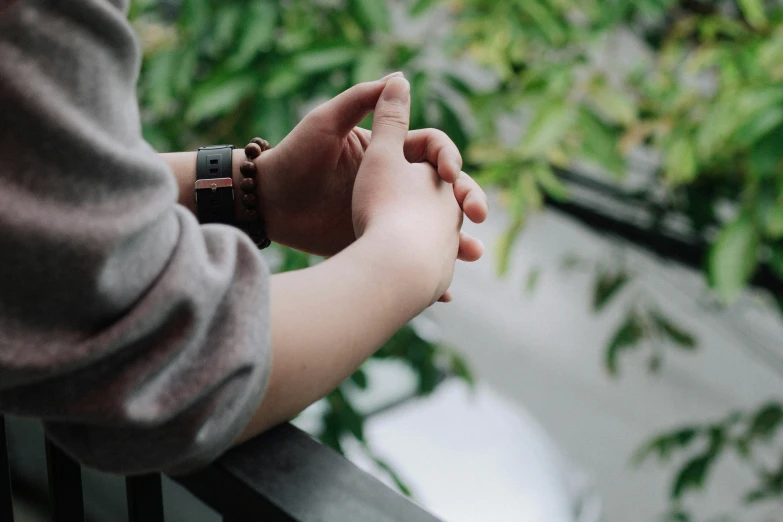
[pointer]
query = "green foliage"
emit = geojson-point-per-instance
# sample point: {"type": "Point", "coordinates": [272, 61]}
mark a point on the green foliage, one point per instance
{"type": "Point", "coordinates": [607, 286]}
{"type": "Point", "coordinates": [628, 336]}
{"type": "Point", "coordinates": [705, 445]}
{"type": "Point", "coordinates": [703, 93]}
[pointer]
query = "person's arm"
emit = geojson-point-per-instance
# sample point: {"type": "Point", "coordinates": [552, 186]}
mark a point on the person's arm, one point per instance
{"type": "Point", "coordinates": [138, 337]}
{"type": "Point", "coordinates": [327, 319]}
{"type": "Point", "coordinates": [183, 166]}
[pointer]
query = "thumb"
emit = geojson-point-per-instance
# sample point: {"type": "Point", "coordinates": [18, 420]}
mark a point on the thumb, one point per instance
{"type": "Point", "coordinates": [392, 114]}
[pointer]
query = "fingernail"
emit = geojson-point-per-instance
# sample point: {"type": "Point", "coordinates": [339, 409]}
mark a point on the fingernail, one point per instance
{"type": "Point", "coordinates": [397, 89]}
{"type": "Point", "coordinates": [392, 75]}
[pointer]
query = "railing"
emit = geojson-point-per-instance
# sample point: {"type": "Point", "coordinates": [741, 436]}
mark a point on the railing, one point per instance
{"type": "Point", "coordinates": [282, 475]}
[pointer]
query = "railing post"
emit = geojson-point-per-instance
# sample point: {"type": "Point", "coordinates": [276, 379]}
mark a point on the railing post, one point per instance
{"type": "Point", "coordinates": [6, 499]}
{"type": "Point", "coordinates": [145, 498]}
{"type": "Point", "coordinates": [65, 485]}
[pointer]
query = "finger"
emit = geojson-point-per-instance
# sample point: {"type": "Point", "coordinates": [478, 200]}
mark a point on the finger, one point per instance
{"type": "Point", "coordinates": [436, 147]}
{"type": "Point", "coordinates": [470, 248]}
{"type": "Point", "coordinates": [346, 110]}
{"type": "Point", "coordinates": [471, 198]}
{"type": "Point", "coordinates": [446, 297]}
{"type": "Point", "coordinates": [392, 115]}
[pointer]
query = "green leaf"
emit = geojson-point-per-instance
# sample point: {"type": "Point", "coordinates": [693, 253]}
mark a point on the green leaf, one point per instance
{"type": "Point", "coordinates": [461, 369]}
{"type": "Point", "coordinates": [760, 495]}
{"type": "Point", "coordinates": [681, 164]}
{"type": "Point", "coordinates": [453, 126]}
{"type": "Point", "coordinates": [673, 332]}
{"type": "Point", "coordinates": [742, 445]}
{"type": "Point", "coordinates": [219, 97]}
{"type": "Point", "coordinates": [692, 475]}
{"type": "Point", "coordinates": [766, 157]}
{"type": "Point", "coordinates": [348, 417]}
{"type": "Point", "coordinates": [273, 119]}
{"type": "Point", "coordinates": [607, 285]}
{"type": "Point", "coordinates": [573, 261]}
{"type": "Point", "coordinates": [370, 66]}
{"type": "Point", "coordinates": [734, 257]}
{"type": "Point", "coordinates": [664, 445]}
{"type": "Point", "coordinates": [549, 182]}
{"type": "Point", "coordinates": [759, 126]}
{"type": "Point", "coordinates": [225, 25]}
{"type": "Point", "coordinates": [547, 128]}
{"type": "Point", "coordinates": [294, 260]}
{"type": "Point", "coordinates": [531, 282]}
{"type": "Point", "coordinates": [401, 485]}
{"type": "Point", "coordinates": [766, 422]}
{"type": "Point", "coordinates": [677, 516]}
{"type": "Point", "coordinates": [373, 14]}
{"type": "Point", "coordinates": [420, 89]}
{"type": "Point", "coordinates": [600, 143]}
{"type": "Point", "coordinates": [524, 198]}
{"type": "Point", "coordinates": [771, 214]}
{"type": "Point", "coordinates": [359, 378]}
{"type": "Point", "coordinates": [257, 35]}
{"type": "Point", "coordinates": [776, 262]}
{"type": "Point", "coordinates": [421, 6]}
{"type": "Point", "coordinates": [283, 81]}
{"type": "Point", "coordinates": [626, 337]}
{"type": "Point", "coordinates": [546, 21]}
{"type": "Point", "coordinates": [616, 105]}
{"type": "Point", "coordinates": [158, 70]}
{"type": "Point", "coordinates": [324, 60]}
{"type": "Point", "coordinates": [754, 13]}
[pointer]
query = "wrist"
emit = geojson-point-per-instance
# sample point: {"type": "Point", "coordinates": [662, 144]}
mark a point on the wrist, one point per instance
{"type": "Point", "coordinates": [263, 190]}
{"type": "Point", "coordinates": [404, 257]}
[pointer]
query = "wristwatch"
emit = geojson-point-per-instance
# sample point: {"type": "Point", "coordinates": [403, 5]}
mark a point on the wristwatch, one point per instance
{"type": "Point", "coordinates": [215, 185]}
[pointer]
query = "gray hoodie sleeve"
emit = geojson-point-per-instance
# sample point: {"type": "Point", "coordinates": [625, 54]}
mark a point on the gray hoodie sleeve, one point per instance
{"type": "Point", "coordinates": [140, 338]}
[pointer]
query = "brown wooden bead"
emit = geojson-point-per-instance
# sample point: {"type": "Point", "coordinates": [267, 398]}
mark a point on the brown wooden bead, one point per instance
{"type": "Point", "coordinates": [251, 215]}
{"type": "Point", "coordinates": [249, 201]}
{"type": "Point", "coordinates": [248, 185]}
{"type": "Point", "coordinates": [248, 169]}
{"type": "Point", "coordinates": [253, 150]}
{"type": "Point", "coordinates": [261, 143]}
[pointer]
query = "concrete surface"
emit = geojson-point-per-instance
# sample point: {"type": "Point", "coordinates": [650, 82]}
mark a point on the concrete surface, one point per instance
{"type": "Point", "coordinates": [544, 351]}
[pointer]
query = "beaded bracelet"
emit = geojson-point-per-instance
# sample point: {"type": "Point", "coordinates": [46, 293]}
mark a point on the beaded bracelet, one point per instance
{"type": "Point", "coordinates": [251, 221]}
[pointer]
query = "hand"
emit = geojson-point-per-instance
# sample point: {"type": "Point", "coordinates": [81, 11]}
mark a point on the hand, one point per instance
{"type": "Point", "coordinates": [307, 181]}
{"type": "Point", "coordinates": [408, 202]}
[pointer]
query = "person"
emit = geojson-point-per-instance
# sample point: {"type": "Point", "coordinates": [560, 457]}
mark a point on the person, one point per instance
{"type": "Point", "coordinates": [146, 341]}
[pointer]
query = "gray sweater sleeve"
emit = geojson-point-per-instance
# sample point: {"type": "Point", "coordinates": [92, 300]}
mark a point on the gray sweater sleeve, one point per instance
{"type": "Point", "coordinates": [139, 337]}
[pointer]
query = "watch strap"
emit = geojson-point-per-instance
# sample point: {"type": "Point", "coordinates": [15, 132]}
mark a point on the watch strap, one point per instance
{"type": "Point", "coordinates": [214, 185]}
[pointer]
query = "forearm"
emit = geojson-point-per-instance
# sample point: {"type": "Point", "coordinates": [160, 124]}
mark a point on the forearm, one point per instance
{"type": "Point", "coordinates": [183, 165]}
{"type": "Point", "coordinates": [328, 319]}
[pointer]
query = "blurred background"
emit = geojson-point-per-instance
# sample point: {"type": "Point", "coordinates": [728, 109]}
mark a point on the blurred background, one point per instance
{"type": "Point", "coordinates": [618, 354]}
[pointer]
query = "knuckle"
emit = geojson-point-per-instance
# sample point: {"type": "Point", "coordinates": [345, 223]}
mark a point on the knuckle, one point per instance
{"type": "Point", "coordinates": [392, 119]}
{"type": "Point", "coordinates": [439, 136]}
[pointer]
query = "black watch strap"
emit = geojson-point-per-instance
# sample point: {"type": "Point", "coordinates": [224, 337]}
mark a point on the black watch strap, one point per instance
{"type": "Point", "coordinates": [214, 185]}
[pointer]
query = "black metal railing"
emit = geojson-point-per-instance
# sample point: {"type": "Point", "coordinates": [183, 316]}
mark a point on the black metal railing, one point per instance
{"type": "Point", "coordinates": [282, 475]}
{"type": "Point", "coordinates": [6, 504]}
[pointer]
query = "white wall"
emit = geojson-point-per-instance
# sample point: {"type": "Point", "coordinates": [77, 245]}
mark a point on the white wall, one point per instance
{"type": "Point", "coordinates": [544, 351]}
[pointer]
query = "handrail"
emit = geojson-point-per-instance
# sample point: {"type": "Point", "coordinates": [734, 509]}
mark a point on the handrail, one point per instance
{"type": "Point", "coordinates": [285, 475]}
{"type": "Point", "coordinates": [281, 475]}
{"type": "Point", "coordinates": [6, 506]}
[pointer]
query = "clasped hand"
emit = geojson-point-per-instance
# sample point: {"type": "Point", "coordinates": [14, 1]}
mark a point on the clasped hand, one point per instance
{"type": "Point", "coordinates": [329, 180]}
